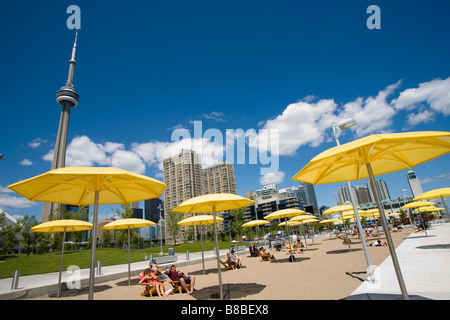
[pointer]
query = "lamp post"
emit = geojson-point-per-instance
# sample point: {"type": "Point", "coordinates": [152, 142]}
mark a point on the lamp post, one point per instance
{"type": "Point", "coordinates": [160, 227]}
{"type": "Point", "coordinates": [345, 124]}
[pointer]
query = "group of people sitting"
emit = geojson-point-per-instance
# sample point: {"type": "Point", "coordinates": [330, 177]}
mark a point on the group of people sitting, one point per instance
{"type": "Point", "coordinates": [295, 247]}
{"type": "Point", "coordinates": [154, 276]}
{"type": "Point", "coordinates": [261, 252]}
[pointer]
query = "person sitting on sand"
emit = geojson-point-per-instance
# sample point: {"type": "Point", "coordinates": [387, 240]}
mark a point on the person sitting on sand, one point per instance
{"type": "Point", "coordinates": [150, 280]}
{"type": "Point", "coordinates": [378, 244]}
{"type": "Point", "coordinates": [236, 259]}
{"type": "Point", "coordinates": [266, 255]}
{"type": "Point", "coordinates": [155, 267]}
{"type": "Point", "coordinates": [175, 275]}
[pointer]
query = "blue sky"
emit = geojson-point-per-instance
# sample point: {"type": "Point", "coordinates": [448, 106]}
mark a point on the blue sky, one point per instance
{"type": "Point", "coordinates": [147, 68]}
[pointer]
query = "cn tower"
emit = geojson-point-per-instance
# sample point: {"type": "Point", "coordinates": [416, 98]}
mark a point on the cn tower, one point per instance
{"type": "Point", "coordinates": [67, 97]}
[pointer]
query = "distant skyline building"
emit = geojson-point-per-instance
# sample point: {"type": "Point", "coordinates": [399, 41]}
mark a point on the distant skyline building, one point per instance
{"type": "Point", "coordinates": [344, 195]}
{"type": "Point", "coordinates": [309, 199]}
{"type": "Point", "coordinates": [151, 209]}
{"type": "Point", "coordinates": [67, 97]}
{"type": "Point", "coordinates": [219, 178]}
{"type": "Point", "coordinates": [382, 189]}
{"type": "Point", "coordinates": [414, 183]}
{"type": "Point", "coordinates": [362, 194]}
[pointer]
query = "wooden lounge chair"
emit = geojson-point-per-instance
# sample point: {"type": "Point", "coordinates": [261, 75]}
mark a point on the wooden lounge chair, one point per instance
{"type": "Point", "coordinates": [149, 291]}
{"type": "Point", "coordinates": [227, 265]}
{"type": "Point", "coordinates": [177, 286]}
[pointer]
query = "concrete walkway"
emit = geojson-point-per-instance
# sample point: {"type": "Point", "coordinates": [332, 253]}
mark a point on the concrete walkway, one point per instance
{"type": "Point", "coordinates": [424, 263]}
{"type": "Point", "coordinates": [41, 284]}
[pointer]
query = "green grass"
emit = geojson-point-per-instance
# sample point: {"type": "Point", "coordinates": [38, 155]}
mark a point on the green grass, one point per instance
{"type": "Point", "coordinates": [49, 262]}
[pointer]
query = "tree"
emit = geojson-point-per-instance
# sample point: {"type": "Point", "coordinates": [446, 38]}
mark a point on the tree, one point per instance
{"type": "Point", "coordinates": [28, 238]}
{"type": "Point", "coordinates": [125, 213]}
{"type": "Point", "coordinates": [237, 222]}
{"type": "Point", "coordinates": [172, 226]}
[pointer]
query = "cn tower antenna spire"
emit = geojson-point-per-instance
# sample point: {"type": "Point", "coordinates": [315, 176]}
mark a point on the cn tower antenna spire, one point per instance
{"type": "Point", "coordinates": [72, 62]}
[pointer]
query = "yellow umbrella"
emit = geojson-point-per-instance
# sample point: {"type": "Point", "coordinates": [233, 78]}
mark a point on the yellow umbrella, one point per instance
{"type": "Point", "coordinates": [214, 203]}
{"type": "Point", "coordinates": [376, 155]}
{"type": "Point", "coordinates": [302, 217]}
{"type": "Point", "coordinates": [86, 186]}
{"type": "Point", "coordinates": [429, 209]}
{"type": "Point", "coordinates": [434, 194]}
{"type": "Point", "coordinates": [285, 213]}
{"type": "Point", "coordinates": [130, 223]}
{"type": "Point", "coordinates": [418, 204]}
{"type": "Point", "coordinates": [254, 223]}
{"type": "Point", "coordinates": [197, 221]}
{"type": "Point", "coordinates": [64, 225]}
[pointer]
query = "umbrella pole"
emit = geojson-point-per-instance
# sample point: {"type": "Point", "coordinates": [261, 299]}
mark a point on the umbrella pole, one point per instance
{"type": "Point", "coordinates": [218, 254]}
{"type": "Point", "coordinates": [290, 245]}
{"type": "Point", "coordinates": [129, 281]}
{"type": "Point", "coordinates": [304, 235]}
{"type": "Point", "coordinates": [398, 272]}
{"type": "Point", "coordinates": [94, 247]}
{"type": "Point", "coordinates": [346, 235]}
{"type": "Point", "coordinates": [61, 264]}
{"type": "Point", "coordinates": [360, 230]}
{"type": "Point", "coordinates": [201, 241]}
{"type": "Point", "coordinates": [446, 209]}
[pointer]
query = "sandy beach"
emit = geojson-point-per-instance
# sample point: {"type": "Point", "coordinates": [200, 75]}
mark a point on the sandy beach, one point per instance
{"type": "Point", "coordinates": [325, 271]}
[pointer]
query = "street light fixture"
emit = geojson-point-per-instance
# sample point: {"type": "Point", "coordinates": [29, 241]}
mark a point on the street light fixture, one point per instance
{"type": "Point", "coordinates": [345, 124]}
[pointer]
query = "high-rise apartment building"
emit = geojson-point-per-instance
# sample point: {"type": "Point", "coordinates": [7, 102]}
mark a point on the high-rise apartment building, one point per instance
{"type": "Point", "coordinates": [382, 190]}
{"type": "Point", "coordinates": [309, 199]}
{"type": "Point", "coordinates": [182, 175]}
{"type": "Point", "coordinates": [414, 183]}
{"type": "Point", "coordinates": [362, 194]}
{"type": "Point", "coordinates": [219, 178]}
{"type": "Point", "coordinates": [344, 195]}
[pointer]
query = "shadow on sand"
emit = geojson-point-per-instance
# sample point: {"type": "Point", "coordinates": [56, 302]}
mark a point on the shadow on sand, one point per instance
{"type": "Point", "coordinates": [230, 291]}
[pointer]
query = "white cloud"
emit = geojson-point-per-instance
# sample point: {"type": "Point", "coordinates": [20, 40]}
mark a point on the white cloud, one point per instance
{"type": "Point", "coordinates": [301, 123]}
{"type": "Point", "coordinates": [128, 160]}
{"type": "Point", "coordinates": [26, 162]}
{"type": "Point", "coordinates": [436, 93]}
{"type": "Point", "coordinates": [373, 114]}
{"type": "Point", "coordinates": [36, 143]}
{"type": "Point", "coordinates": [308, 123]}
{"type": "Point", "coordinates": [272, 177]}
{"type": "Point", "coordinates": [7, 200]}
{"type": "Point", "coordinates": [421, 117]}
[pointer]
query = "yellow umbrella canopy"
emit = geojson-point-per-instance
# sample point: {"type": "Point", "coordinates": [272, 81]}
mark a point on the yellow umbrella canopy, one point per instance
{"type": "Point", "coordinates": [330, 221]}
{"type": "Point", "coordinates": [302, 217]}
{"type": "Point", "coordinates": [68, 225]}
{"type": "Point", "coordinates": [384, 152]}
{"type": "Point", "coordinates": [199, 220]}
{"type": "Point", "coordinates": [254, 223]}
{"type": "Point", "coordinates": [341, 208]}
{"type": "Point", "coordinates": [284, 213]}
{"type": "Point", "coordinates": [418, 204]}
{"type": "Point", "coordinates": [214, 203]}
{"type": "Point", "coordinates": [218, 201]}
{"type": "Point", "coordinates": [433, 194]}
{"type": "Point", "coordinates": [429, 209]}
{"type": "Point", "coordinates": [89, 186]}
{"type": "Point", "coordinates": [309, 221]}
{"type": "Point", "coordinates": [63, 225]}
{"type": "Point", "coordinates": [131, 223]}
{"type": "Point", "coordinates": [77, 186]}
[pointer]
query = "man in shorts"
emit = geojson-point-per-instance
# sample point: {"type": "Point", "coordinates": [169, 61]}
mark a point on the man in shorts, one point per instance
{"type": "Point", "coordinates": [175, 275]}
